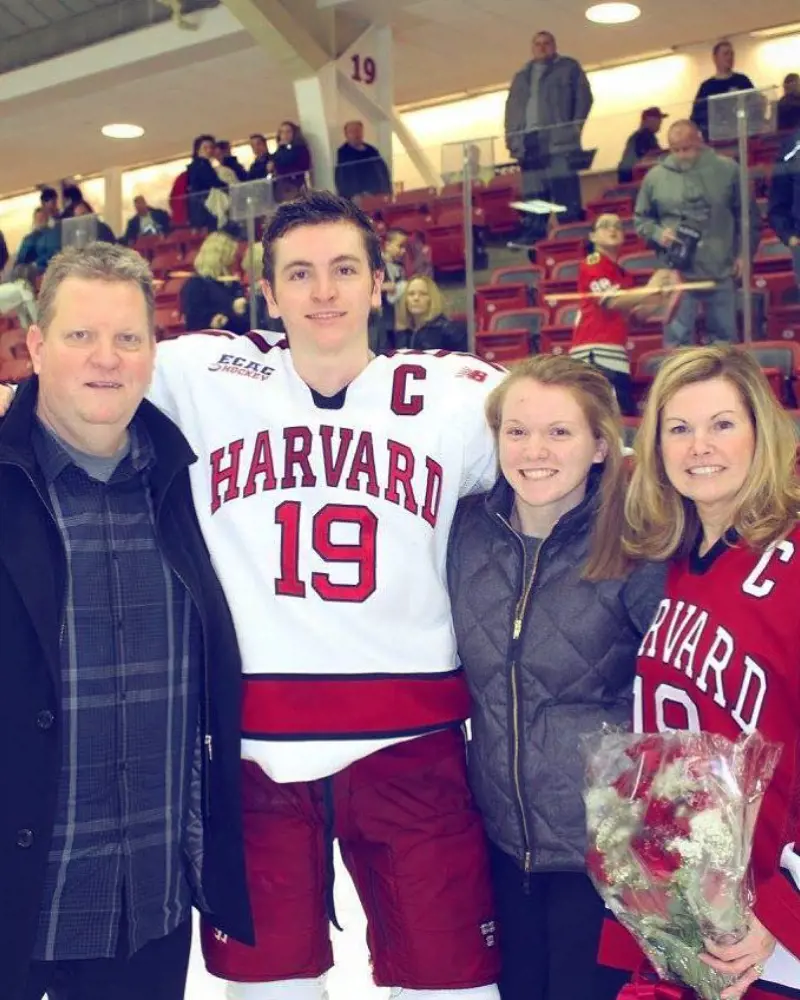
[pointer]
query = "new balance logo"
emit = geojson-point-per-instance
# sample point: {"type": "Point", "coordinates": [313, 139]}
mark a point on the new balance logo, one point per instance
{"type": "Point", "coordinates": [472, 373]}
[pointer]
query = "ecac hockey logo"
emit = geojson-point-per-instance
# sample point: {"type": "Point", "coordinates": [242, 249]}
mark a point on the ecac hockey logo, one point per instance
{"type": "Point", "coordinates": [241, 366]}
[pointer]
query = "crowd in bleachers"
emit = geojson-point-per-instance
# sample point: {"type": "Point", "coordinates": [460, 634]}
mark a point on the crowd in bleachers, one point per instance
{"type": "Point", "coordinates": [667, 190]}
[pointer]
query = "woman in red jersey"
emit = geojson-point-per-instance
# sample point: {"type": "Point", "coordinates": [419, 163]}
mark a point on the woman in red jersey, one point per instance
{"type": "Point", "coordinates": [714, 492]}
{"type": "Point", "coordinates": [603, 325]}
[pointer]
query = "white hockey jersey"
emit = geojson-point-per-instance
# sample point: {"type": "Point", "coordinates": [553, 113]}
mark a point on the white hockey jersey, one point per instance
{"type": "Point", "coordinates": [328, 529]}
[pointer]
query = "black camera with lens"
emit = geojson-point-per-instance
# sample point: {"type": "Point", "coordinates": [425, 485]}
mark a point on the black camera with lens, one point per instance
{"type": "Point", "coordinates": [679, 255]}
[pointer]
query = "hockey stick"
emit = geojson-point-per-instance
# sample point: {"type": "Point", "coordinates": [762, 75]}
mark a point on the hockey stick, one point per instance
{"type": "Point", "coordinates": [685, 286]}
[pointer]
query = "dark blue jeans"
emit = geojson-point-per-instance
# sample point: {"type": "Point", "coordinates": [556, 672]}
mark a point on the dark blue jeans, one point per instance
{"type": "Point", "coordinates": [719, 306]}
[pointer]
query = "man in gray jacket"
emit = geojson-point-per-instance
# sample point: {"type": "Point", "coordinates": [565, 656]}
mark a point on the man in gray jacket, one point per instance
{"type": "Point", "coordinates": [549, 100]}
{"type": "Point", "coordinates": [689, 209]}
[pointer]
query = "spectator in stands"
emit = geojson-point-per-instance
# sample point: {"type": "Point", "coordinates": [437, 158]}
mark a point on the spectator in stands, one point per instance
{"type": "Point", "coordinates": [548, 103]}
{"type": "Point", "coordinates": [602, 330]}
{"type": "Point", "coordinates": [420, 320]}
{"type": "Point", "coordinates": [784, 195]}
{"type": "Point", "coordinates": [202, 179]}
{"type": "Point", "coordinates": [18, 296]}
{"type": "Point", "coordinates": [49, 202]}
{"type": "Point", "coordinates": [104, 231]}
{"type": "Point", "coordinates": [262, 163]}
{"type": "Point", "coordinates": [147, 221]}
{"type": "Point", "coordinates": [642, 143]}
{"type": "Point", "coordinates": [360, 168]}
{"type": "Point", "coordinates": [292, 161]}
{"type": "Point", "coordinates": [253, 266]}
{"type": "Point", "coordinates": [724, 81]}
{"type": "Point", "coordinates": [71, 197]}
{"type": "Point", "coordinates": [788, 103]}
{"type": "Point", "coordinates": [213, 298]}
{"type": "Point", "coordinates": [226, 159]}
{"type": "Point", "coordinates": [28, 249]}
{"type": "Point", "coordinates": [394, 283]}
{"type": "Point", "coordinates": [44, 241]}
{"type": "Point", "coordinates": [689, 209]}
{"type": "Point", "coordinates": [420, 258]}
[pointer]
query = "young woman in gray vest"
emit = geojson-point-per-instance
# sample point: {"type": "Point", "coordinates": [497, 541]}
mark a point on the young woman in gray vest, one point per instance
{"type": "Point", "coordinates": [548, 614]}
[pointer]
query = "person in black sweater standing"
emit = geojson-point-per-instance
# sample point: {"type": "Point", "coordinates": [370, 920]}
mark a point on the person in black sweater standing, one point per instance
{"type": "Point", "coordinates": [213, 299]}
{"type": "Point", "coordinates": [202, 177]}
{"type": "Point", "coordinates": [724, 81]}
{"type": "Point", "coordinates": [360, 168]}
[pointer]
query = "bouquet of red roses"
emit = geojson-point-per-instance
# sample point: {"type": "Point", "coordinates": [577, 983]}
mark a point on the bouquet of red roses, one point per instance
{"type": "Point", "coordinates": [670, 820]}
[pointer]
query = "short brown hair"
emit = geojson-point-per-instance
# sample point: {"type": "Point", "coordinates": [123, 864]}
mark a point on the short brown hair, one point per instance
{"type": "Point", "coordinates": [96, 262]}
{"type": "Point", "coordinates": [316, 208]}
{"type": "Point", "coordinates": [662, 523]}
{"type": "Point", "coordinates": [593, 392]}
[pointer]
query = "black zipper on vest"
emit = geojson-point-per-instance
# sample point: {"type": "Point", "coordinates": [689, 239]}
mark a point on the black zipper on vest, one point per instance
{"type": "Point", "coordinates": [516, 707]}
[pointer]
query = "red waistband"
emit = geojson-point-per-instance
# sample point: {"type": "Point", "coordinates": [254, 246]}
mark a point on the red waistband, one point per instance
{"type": "Point", "coordinates": [374, 706]}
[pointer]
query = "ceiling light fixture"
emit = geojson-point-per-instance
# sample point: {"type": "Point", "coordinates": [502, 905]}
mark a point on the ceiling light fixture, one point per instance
{"type": "Point", "coordinates": [777, 31]}
{"type": "Point", "coordinates": [613, 13]}
{"type": "Point", "coordinates": [119, 131]}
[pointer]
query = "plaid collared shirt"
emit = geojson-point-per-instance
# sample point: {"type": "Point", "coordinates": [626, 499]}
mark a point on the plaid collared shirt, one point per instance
{"type": "Point", "coordinates": [130, 679]}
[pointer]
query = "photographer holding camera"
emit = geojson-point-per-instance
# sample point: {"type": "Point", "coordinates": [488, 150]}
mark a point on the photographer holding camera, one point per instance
{"type": "Point", "coordinates": [689, 209]}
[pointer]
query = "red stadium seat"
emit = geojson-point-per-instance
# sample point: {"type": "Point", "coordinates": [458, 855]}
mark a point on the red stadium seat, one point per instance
{"type": "Point", "coordinates": [532, 276]}
{"type": "Point", "coordinates": [780, 287]}
{"type": "Point", "coordinates": [555, 340]}
{"type": "Point", "coordinates": [491, 298]}
{"type": "Point", "coordinates": [532, 320]}
{"type": "Point", "coordinates": [503, 347]}
{"type": "Point", "coordinates": [771, 256]}
{"type": "Point", "coordinates": [495, 200]}
{"type": "Point", "coordinates": [622, 207]}
{"type": "Point", "coordinates": [551, 252]}
{"type": "Point", "coordinates": [783, 323]}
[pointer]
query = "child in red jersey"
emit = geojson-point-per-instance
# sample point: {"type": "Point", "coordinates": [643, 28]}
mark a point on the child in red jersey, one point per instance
{"type": "Point", "coordinates": [714, 493]}
{"type": "Point", "coordinates": [602, 330]}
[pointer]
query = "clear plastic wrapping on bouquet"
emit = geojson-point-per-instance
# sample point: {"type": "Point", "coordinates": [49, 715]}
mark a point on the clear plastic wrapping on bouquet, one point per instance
{"type": "Point", "coordinates": [670, 820]}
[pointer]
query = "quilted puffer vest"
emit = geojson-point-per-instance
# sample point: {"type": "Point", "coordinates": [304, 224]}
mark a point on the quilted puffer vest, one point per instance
{"type": "Point", "coordinates": [542, 671]}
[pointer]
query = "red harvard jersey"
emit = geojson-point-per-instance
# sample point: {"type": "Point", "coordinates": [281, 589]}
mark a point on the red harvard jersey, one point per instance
{"type": "Point", "coordinates": [723, 655]}
{"type": "Point", "coordinates": [596, 324]}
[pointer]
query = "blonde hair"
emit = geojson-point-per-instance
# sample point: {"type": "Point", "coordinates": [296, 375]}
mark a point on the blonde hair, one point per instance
{"type": "Point", "coordinates": [593, 392]}
{"type": "Point", "coordinates": [216, 256]}
{"type": "Point", "coordinates": [254, 254]}
{"type": "Point", "coordinates": [96, 262]}
{"type": "Point", "coordinates": [660, 521]}
{"type": "Point", "coordinates": [403, 318]}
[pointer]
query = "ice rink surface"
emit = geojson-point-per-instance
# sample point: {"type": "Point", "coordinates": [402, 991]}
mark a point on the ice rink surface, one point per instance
{"type": "Point", "coordinates": [350, 979]}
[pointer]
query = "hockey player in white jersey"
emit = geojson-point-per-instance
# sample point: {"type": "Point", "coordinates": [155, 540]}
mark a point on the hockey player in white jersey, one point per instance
{"type": "Point", "coordinates": [326, 484]}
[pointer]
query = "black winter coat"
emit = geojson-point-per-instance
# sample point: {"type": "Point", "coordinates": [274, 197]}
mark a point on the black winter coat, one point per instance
{"type": "Point", "coordinates": [568, 671]}
{"type": "Point", "coordinates": [438, 334]}
{"type": "Point", "coordinates": [204, 298]}
{"type": "Point", "coordinates": [32, 585]}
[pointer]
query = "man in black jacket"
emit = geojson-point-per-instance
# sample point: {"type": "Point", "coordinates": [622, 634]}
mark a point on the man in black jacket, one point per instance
{"type": "Point", "coordinates": [724, 81]}
{"type": "Point", "coordinates": [119, 721]}
{"type": "Point", "coordinates": [147, 221]}
{"type": "Point", "coordinates": [360, 168]}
